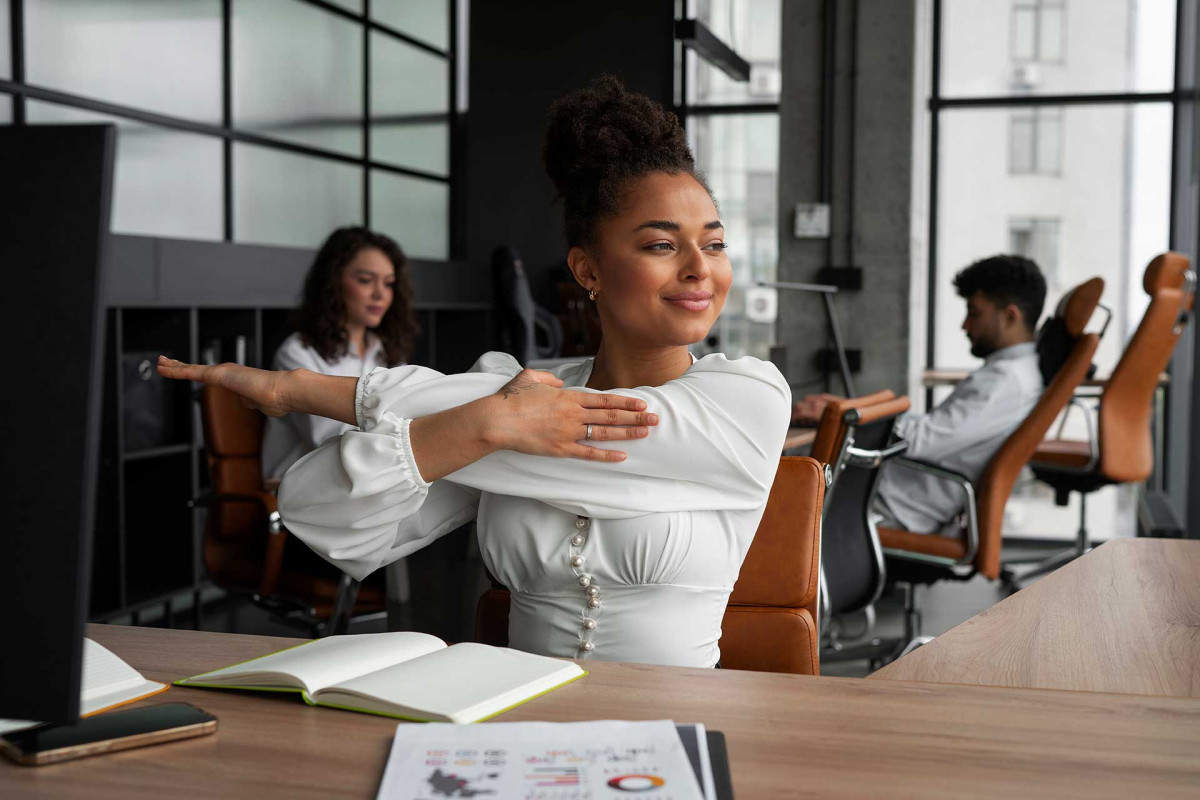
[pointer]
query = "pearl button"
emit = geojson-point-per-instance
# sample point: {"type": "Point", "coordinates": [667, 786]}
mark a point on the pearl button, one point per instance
{"type": "Point", "coordinates": [577, 561]}
{"type": "Point", "coordinates": [576, 540]}
{"type": "Point", "coordinates": [593, 602]}
{"type": "Point", "coordinates": [593, 591]}
{"type": "Point", "coordinates": [587, 647]}
{"type": "Point", "coordinates": [589, 624]}
{"type": "Point", "coordinates": [581, 523]}
{"type": "Point", "coordinates": [585, 581]}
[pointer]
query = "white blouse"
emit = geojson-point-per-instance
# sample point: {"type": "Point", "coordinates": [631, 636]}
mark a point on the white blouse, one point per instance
{"type": "Point", "coordinates": [628, 561]}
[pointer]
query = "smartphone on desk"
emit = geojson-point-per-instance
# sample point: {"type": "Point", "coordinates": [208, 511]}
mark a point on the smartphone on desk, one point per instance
{"type": "Point", "coordinates": [107, 733]}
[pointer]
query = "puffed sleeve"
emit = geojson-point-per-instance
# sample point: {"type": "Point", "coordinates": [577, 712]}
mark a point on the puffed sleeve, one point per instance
{"type": "Point", "coordinates": [359, 500]}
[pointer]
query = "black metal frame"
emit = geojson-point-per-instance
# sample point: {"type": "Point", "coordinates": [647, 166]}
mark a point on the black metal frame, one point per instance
{"type": "Point", "coordinates": [21, 91]}
{"type": "Point", "coordinates": [937, 103]}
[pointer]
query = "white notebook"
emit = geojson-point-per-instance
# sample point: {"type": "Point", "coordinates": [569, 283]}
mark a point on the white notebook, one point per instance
{"type": "Point", "coordinates": [107, 682]}
{"type": "Point", "coordinates": [402, 674]}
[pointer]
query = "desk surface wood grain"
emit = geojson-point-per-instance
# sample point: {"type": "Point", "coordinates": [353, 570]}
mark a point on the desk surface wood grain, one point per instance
{"type": "Point", "coordinates": [1123, 618]}
{"type": "Point", "coordinates": [788, 735]}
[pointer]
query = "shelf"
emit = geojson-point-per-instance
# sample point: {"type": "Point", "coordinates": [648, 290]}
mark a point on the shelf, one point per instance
{"type": "Point", "coordinates": [155, 452]}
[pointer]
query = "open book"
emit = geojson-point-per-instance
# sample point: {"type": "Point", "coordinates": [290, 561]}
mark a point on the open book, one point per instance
{"type": "Point", "coordinates": [107, 682]}
{"type": "Point", "coordinates": [406, 675]}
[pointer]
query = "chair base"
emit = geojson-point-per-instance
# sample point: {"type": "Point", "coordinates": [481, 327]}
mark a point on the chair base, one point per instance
{"type": "Point", "coordinates": [1014, 581]}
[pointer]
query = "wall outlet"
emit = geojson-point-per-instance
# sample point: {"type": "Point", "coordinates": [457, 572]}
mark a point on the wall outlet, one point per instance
{"type": "Point", "coordinates": [812, 221]}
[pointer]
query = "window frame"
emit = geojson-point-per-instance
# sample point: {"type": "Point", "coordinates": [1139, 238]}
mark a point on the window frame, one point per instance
{"type": "Point", "coordinates": [20, 90]}
{"type": "Point", "coordinates": [1036, 8]}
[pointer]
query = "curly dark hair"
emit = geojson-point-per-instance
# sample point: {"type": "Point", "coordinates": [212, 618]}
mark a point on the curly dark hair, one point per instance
{"type": "Point", "coordinates": [321, 318]}
{"type": "Point", "coordinates": [1006, 279]}
{"type": "Point", "coordinates": [601, 137]}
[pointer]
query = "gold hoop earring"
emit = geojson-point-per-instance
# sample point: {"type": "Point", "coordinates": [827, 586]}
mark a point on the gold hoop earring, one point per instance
{"type": "Point", "coordinates": [592, 295]}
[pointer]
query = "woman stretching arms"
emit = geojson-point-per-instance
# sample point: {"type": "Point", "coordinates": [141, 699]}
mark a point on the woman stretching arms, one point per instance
{"type": "Point", "coordinates": [618, 517]}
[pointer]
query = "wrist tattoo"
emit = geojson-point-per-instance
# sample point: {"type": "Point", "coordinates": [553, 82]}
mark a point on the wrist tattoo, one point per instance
{"type": "Point", "coordinates": [516, 386]}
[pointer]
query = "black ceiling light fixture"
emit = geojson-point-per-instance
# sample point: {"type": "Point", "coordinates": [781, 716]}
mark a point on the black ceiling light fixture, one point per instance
{"type": "Point", "coordinates": [696, 35]}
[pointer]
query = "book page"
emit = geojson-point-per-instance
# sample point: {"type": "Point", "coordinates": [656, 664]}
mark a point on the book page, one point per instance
{"type": "Point", "coordinates": [108, 681]}
{"type": "Point", "coordinates": [463, 683]}
{"type": "Point", "coordinates": [324, 662]}
{"type": "Point", "coordinates": [539, 760]}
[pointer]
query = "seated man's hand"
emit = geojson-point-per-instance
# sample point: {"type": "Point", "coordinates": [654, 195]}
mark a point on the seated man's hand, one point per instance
{"type": "Point", "coordinates": [808, 411]}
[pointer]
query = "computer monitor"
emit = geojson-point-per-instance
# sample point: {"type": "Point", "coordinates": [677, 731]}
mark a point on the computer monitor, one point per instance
{"type": "Point", "coordinates": [55, 198]}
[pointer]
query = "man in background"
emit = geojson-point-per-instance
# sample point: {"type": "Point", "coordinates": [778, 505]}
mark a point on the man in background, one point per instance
{"type": "Point", "coordinates": [1004, 296]}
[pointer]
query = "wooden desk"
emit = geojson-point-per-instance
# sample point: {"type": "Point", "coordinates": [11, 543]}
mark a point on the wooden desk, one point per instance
{"type": "Point", "coordinates": [788, 735]}
{"type": "Point", "coordinates": [799, 437]}
{"type": "Point", "coordinates": [1123, 618]}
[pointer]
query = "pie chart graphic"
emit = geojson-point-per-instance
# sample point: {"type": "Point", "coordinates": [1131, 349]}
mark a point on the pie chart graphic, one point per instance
{"type": "Point", "coordinates": [638, 782]}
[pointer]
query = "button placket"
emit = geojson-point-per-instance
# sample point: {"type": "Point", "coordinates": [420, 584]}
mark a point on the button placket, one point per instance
{"type": "Point", "coordinates": [591, 591]}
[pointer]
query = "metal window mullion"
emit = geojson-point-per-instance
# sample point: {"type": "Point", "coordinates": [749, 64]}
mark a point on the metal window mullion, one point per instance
{"type": "Point", "coordinates": [227, 113]}
{"type": "Point", "coordinates": [935, 94]}
{"type": "Point", "coordinates": [366, 118]}
{"type": "Point", "coordinates": [16, 32]}
{"type": "Point", "coordinates": [365, 19]}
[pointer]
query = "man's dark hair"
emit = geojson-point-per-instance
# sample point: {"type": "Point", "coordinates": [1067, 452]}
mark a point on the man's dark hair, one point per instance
{"type": "Point", "coordinates": [1005, 279]}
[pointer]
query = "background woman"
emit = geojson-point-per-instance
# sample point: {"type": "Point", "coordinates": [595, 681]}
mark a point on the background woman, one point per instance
{"type": "Point", "coordinates": [356, 315]}
{"type": "Point", "coordinates": [628, 554]}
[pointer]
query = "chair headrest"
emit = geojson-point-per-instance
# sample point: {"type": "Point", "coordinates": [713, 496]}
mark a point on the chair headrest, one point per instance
{"type": "Point", "coordinates": [1076, 306]}
{"type": "Point", "coordinates": [1167, 271]}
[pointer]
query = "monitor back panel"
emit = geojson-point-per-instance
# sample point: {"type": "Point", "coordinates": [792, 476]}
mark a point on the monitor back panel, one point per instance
{"type": "Point", "coordinates": [55, 196]}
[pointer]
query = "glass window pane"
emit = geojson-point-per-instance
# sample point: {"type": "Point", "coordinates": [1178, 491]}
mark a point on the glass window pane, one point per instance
{"type": "Point", "coordinates": [289, 199]}
{"type": "Point", "coordinates": [163, 57]}
{"type": "Point", "coordinates": [1021, 147]}
{"type": "Point", "coordinates": [1103, 46]}
{"type": "Point", "coordinates": [1049, 141]}
{"type": "Point", "coordinates": [414, 212]}
{"type": "Point", "coordinates": [5, 42]}
{"type": "Point", "coordinates": [5, 109]}
{"type": "Point", "coordinates": [166, 183]}
{"type": "Point", "coordinates": [1050, 34]}
{"type": "Point", "coordinates": [427, 20]}
{"type": "Point", "coordinates": [409, 102]}
{"type": "Point", "coordinates": [350, 5]}
{"type": "Point", "coordinates": [297, 74]}
{"type": "Point", "coordinates": [739, 155]}
{"type": "Point", "coordinates": [1024, 27]}
{"type": "Point", "coordinates": [1105, 214]}
{"type": "Point", "coordinates": [752, 29]}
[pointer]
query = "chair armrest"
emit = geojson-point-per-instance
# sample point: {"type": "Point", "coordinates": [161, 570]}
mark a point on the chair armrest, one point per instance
{"type": "Point", "coordinates": [869, 459]}
{"type": "Point", "coordinates": [1093, 446]}
{"type": "Point", "coordinates": [964, 483]}
{"type": "Point", "coordinates": [276, 533]}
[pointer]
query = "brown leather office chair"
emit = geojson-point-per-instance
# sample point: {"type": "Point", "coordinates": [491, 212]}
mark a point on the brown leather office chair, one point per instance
{"type": "Point", "coordinates": [925, 557]}
{"type": "Point", "coordinates": [246, 548]}
{"type": "Point", "coordinates": [1120, 449]}
{"type": "Point", "coordinates": [771, 620]}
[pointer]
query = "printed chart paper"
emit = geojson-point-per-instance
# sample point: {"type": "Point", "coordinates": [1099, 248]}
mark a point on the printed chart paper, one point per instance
{"type": "Point", "coordinates": [539, 761]}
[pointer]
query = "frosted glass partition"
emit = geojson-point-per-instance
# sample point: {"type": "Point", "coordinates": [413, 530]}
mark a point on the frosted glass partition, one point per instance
{"type": "Point", "coordinates": [162, 57]}
{"type": "Point", "coordinates": [5, 42]}
{"type": "Point", "coordinates": [427, 20]}
{"type": "Point", "coordinates": [297, 74]}
{"type": "Point", "coordinates": [166, 183]}
{"type": "Point", "coordinates": [414, 212]}
{"type": "Point", "coordinates": [287, 199]}
{"type": "Point", "coordinates": [407, 82]}
{"type": "Point", "coordinates": [350, 5]}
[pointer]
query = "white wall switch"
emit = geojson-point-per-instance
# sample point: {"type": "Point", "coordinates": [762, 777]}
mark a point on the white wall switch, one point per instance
{"type": "Point", "coordinates": [812, 221]}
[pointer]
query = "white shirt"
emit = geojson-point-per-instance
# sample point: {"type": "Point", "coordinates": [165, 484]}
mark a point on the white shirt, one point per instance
{"type": "Point", "coordinates": [961, 434]}
{"type": "Point", "coordinates": [667, 529]}
{"type": "Point", "coordinates": [289, 437]}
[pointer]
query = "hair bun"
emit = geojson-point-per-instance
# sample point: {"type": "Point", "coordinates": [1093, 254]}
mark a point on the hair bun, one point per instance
{"type": "Point", "coordinates": [601, 136]}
